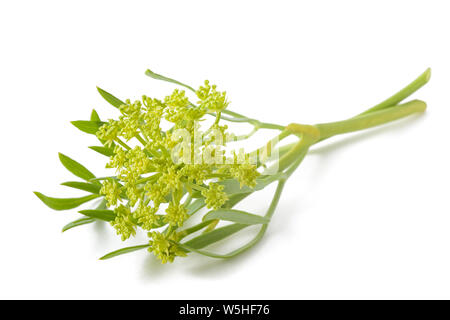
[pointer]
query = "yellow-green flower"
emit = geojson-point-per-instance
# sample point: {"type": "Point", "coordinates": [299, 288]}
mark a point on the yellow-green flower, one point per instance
{"type": "Point", "coordinates": [156, 193]}
{"type": "Point", "coordinates": [109, 132]}
{"type": "Point", "coordinates": [138, 161]}
{"type": "Point", "coordinates": [164, 247]}
{"type": "Point", "coordinates": [123, 223]}
{"type": "Point", "coordinates": [146, 216]}
{"type": "Point", "coordinates": [176, 214]}
{"type": "Point", "coordinates": [111, 189]}
{"type": "Point", "coordinates": [119, 158]}
{"type": "Point", "coordinates": [214, 196]}
{"type": "Point", "coordinates": [171, 179]}
{"type": "Point", "coordinates": [245, 173]}
{"type": "Point", "coordinates": [212, 99]}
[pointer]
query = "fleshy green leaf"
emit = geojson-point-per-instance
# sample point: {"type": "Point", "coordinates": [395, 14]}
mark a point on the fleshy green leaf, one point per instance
{"type": "Point", "coordinates": [235, 199]}
{"type": "Point", "coordinates": [85, 186]}
{"type": "Point", "coordinates": [237, 216]}
{"type": "Point", "coordinates": [102, 205]}
{"type": "Point", "coordinates": [77, 223]}
{"type": "Point", "coordinates": [64, 203]}
{"type": "Point", "coordinates": [156, 76]}
{"type": "Point", "coordinates": [94, 116]}
{"type": "Point", "coordinates": [212, 225]}
{"type": "Point", "coordinates": [105, 215]}
{"type": "Point", "coordinates": [230, 254]}
{"type": "Point", "coordinates": [76, 168]}
{"type": "Point", "coordinates": [211, 237]}
{"type": "Point", "coordinates": [86, 126]}
{"type": "Point", "coordinates": [123, 251]}
{"type": "Point", "coordinates": [104, 178]}
{"type": "Point", "coordinates": [110, 98]}
{"type": "Point", "coordinates": [203, 252]}
{"type": "Point", "coordinates": [109, 152]}
{"type": "Point", "coordinates": [196, 194]}
{"type": "Point", "coordinates": [195, 206]}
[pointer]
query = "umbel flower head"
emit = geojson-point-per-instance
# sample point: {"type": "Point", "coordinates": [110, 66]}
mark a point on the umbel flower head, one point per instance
{"type": "Point", "coordinates": [146, 175]}
{"type": "Point", "coordinates": [148, 189]}
{"type": "Point", "coordinates": [166, 163]}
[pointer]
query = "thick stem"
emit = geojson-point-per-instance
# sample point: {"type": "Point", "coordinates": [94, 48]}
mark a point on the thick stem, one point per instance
{"type": "Point", "coordinates": [402, 94]}
{"type": "Point", "coordinates": [370, 120]}
{"type": "Point", "coordinates": [309, 136]}
{"type": "Point", "coordinates": [295, 153]}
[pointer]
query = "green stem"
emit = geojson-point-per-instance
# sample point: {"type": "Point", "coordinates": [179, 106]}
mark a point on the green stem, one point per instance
{"type": "Point", "coordinates": [123, 144]}
{"type": "Point", "coordinates": [290, 170]}
{"type": "Point", "coordinates": [275, 200]}
{"type": "Point", "coordinates": [193, 229]}
{"type": "Point", "coordinates": [229, 118]}
{"type": "Point", "coordinates": [235, 114]}
{"type": "Point", "coordinates": [402, 94]}
{"type": "Point", "coordinates": [150, 178]}
{"type": "Point", "coordinates": [251, 243]}
{"type": "Point", "coordinates": [246, 136]}
{"type": "Point", "coordinates": [237, 117]}
{"type": "Point", "coordinates": [328, 130]}
{"type": "Point", "coordinates": [266, 125]}
{"type": "Point", "coordinates": [371, 119]}
{"type": "Point", "coordinates": [141, 140]}
{"type": "Point", "coordinates": [295, 153]}
{"type": "Point", "coordinates": [188, 200]}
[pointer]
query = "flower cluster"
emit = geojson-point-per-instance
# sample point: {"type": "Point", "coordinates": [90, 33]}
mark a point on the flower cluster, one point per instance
{"type": "Point", "coordinates": [214, 196]}
{"type": "Point", "coordinates": [164, 247]}
{"type": "Point", "coordinates": [212, 99]}
{"type": "Point", "coordinates": [146, 175]}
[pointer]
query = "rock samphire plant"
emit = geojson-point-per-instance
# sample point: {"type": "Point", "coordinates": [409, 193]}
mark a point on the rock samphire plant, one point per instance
{"type": "Point", "coordinates": [172, 159]}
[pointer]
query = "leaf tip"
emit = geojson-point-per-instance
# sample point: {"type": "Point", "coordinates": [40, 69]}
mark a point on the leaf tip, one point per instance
{"type": "Point", "coordinates": [427, 74]}
{"type": "Point", "coordinates": [40, 196]}
{"type": "Point", "coordinates": [101, 91]}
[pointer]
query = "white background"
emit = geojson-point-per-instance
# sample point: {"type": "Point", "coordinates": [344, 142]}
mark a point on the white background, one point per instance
{"type": "Point", "coordinates": [365, 216]}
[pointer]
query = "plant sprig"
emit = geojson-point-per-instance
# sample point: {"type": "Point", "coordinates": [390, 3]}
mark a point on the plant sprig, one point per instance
{"type": "Point", "coordinates": [158, 183]}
